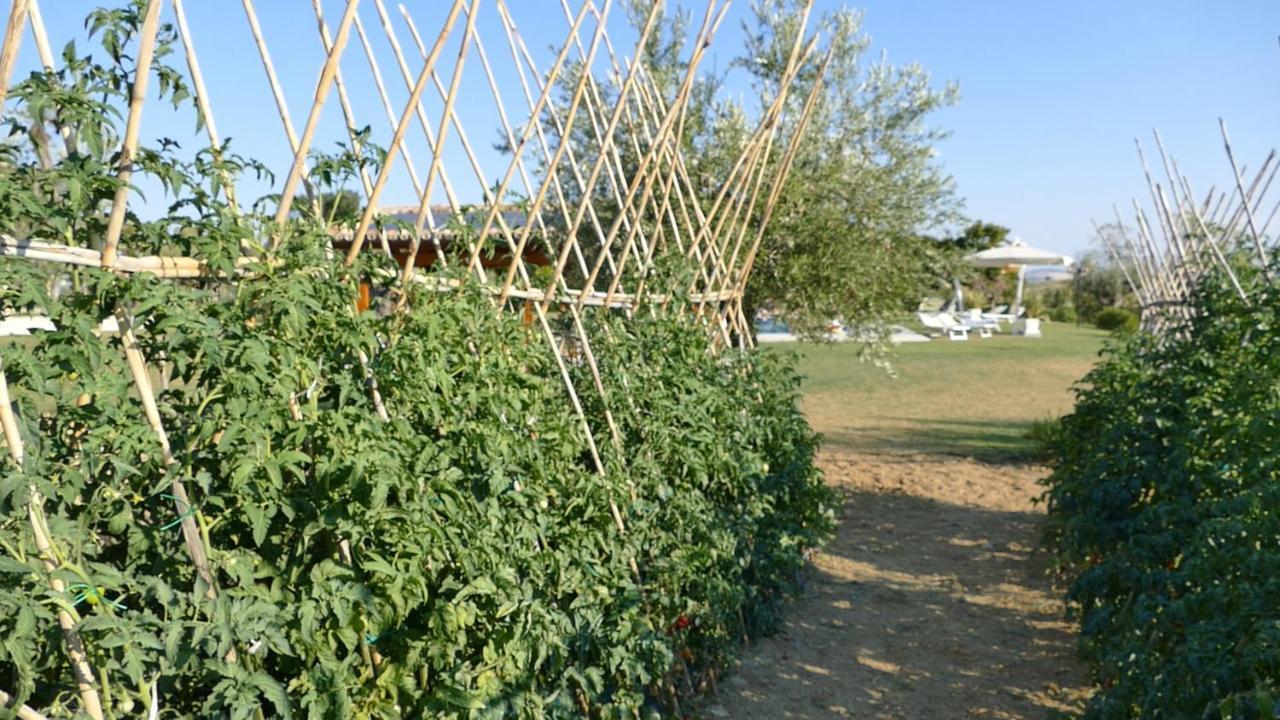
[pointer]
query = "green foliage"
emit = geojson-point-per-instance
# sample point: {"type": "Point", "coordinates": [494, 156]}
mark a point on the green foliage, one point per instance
{"type": "Point", "coordinates": [459, 560]}
{"type": "Point", "coordinates": [1064, 314]}
{"type": "Point", "coordinates": [1112, 319]}
{"type": "Point", "coordinates": [1044, 435]}
{"type": "Point", "coordinates": [845, 239]}
{"type": "Point", "coordinates": [1163, 507]}
{"type": "Point", "coordinates": [1099, 288]}
{"type": "Point", "coordinates": [979, 236]}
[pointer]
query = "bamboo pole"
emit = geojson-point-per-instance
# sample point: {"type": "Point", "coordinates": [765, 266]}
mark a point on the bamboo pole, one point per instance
{"type": "Point", "coordinates": [142, 383]}
{"type": "Point", "coordinates": [187, 268]}
{"type": "Point", "coordinates": [759, 150]}
{"type": "Point", "coordinates": [476, 167]}
{"type": "Point", "coordinates": [371, 382]}
{"type": "Point", "coordinates": [554, 167]}
{"type": "Point", "coordinates": [744, 209]}
{"type": "Point", "coordinates": [327, 74]}
{"type": "Point", "coordinates": [451, 197]}
{"type": "Point", "coordinates": [579, 328]}
{"type": "Point", "coordinates": [1222, 260]}
{"type": "Point", "coordinates": [46, 61]}
{"type": "Point", "coordinates": [645, 177]}
{"type": "Point", "coordinates": [1135, 259]}
{"type": "Point", "coordinates": [437, 151]}
{"type": "Point", "coordinates": [519, 51]}
{"type": "Point", "coordinates": [1248, 211]}
{"type": "Point", "coordinates": [202, 101]}
{"type": "Point", "coordinates": [651, 108]}
{"type": "Point", "coordinates": [670, 143]}
{"type": "Point", "coordinates": [277, 92]}
{"type": "Point", "coordinates": [124, 173]}
{"type": "Point", "coordinates": [12, 41]}
{"type": "Point", "coordinates": [779, 182]}
{"type": "Point", "coordinates": [401, 128]}
{"type": "Point", "coordinates": [595, 110]}
{"type": "Point", "coordinates": [1172, 282]}
{"type": "Point", "coordinates": [410, 166]}
{"type": "Point", "coordinates": [86, 684]}
{"type": "Point", "coordinates": [24, 712]}
{"type": "Point", "coordinates": [1258, 188]}
{"type": "Point", "coordinates": [642, 172]}
{"type": "Point", "coordinates": [521, 58]}
{"type": "Point", "coordinates": [716, 216]}
{"type": "Point", "coordinates": [1120, 263]}
{"type": "Point", "coordinates": [534, 118]}
{"type": "Point", "coordinates": [348, 114]}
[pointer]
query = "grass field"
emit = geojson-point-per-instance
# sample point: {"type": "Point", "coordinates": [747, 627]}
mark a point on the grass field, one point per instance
{"type": "Point", "coordinates": [977, 398]}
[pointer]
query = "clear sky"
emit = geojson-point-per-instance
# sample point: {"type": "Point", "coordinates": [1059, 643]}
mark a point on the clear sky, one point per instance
{"type": "Point", "coordinates": [1052, 93]}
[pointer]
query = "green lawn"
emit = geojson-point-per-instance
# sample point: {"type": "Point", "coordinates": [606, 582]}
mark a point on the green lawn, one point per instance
{"type": "Point", "coordinates": [975, 398]}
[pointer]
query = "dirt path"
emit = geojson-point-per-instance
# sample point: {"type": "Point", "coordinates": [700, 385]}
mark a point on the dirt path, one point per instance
{"type": "Point", "coordinates": [930, 603]}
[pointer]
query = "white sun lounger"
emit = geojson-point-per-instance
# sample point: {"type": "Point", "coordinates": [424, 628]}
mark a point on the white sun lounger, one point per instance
{"type": "Point", "coordinates": [954, 329]}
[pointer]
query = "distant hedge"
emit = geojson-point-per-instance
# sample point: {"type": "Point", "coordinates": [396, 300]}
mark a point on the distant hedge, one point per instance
{"type": "Point", "coordinates": [1112, 319]}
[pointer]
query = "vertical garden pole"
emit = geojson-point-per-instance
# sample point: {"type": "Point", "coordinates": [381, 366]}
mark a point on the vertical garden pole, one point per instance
{"type": "Point", "coordinates": [12, 41]}
{"type": "Point", "coordinates": [86, 684]}
{"type": "Point", "coordinates": [366, 220]}
{"type": "Point", "coordinates": [327, 74]}
{"type": "Point", "coordinates": [124, 172]}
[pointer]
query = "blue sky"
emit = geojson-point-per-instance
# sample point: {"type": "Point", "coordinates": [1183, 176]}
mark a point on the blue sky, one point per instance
{"type": "Point", "coordinates": [1052, 94]}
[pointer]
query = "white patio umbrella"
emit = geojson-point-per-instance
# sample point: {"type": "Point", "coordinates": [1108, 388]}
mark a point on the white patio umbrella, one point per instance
{"type": "Point", "coordinates": [1020, 254]}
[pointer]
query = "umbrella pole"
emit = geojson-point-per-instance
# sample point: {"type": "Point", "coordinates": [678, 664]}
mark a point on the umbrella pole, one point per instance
{"type": "Point", "coordinates": [1017, 298]}
{"type": "Point", "coordinates": [955, 281]}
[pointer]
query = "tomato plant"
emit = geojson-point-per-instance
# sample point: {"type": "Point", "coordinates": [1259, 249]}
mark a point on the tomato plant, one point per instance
{"type": "Point", "coordinates": [1163, 505]}
{"type": "Point", "coordinates": [457, 558]}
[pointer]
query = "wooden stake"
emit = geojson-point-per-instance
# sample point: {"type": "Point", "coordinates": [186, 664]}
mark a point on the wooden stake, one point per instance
{"type": "Point", "coordinates": [86, 684]}
{"type": "Point", "coordinates": [1248, 211]}
{"type": "Point", "coordinates": [202, 101]}
{"type": "Point", "coordinates": [142, 383]}
{"type": "Point", "coordinates": [327, 74]}
{"type": "Point", "coordinates": [124, 173]}
{"type": "Point", "coordinates": [401, 128]}
{"type": "Point", "coordinates": [12, 41]}
{"type": "Point", "coordinates": [24, 712]}
{"type": "Point", "coordinates": [437, 151]}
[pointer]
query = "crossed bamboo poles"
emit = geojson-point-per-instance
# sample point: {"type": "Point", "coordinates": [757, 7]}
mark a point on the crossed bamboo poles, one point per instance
{"type": "Point", "coordinates": [656, 206]}
{"type": "Point", "coordinates": [1163, 262]}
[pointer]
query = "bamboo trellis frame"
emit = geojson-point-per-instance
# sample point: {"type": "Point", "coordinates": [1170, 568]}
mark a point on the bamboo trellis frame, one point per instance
{"type": "Point", "coordinates": [564, 159]}
{"type": "Point", "coordinates": [1165, 264]}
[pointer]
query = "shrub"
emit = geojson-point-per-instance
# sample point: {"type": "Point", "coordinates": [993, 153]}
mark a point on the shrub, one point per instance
{"type": "Point", "coordinates": [1117, 319]}
{"type": "Point", "coordinates": [1063, 314]}
{"type": "Point", "coordinates": [1163, 507]}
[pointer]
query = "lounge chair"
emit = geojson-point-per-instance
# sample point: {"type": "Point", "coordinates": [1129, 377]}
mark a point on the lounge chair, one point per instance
{"type": "Point", "coordinates": [954, 329]}
{"type": "Point", "coordinates": [983, 323]}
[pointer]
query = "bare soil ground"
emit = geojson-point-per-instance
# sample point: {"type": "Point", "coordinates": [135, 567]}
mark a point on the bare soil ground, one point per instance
{"type": "Point", "coordinates": [932, 602]}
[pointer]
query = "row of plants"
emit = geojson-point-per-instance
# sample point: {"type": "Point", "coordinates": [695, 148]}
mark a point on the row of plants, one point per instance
{"type": "Point", "coordinates": [1163, 507]}
{"type": "Point", "coordinates": [444, 547]}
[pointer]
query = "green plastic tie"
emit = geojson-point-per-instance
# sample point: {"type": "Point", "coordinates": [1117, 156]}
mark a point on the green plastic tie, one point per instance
{"type": "Point", "coordinates": [185, 513]}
